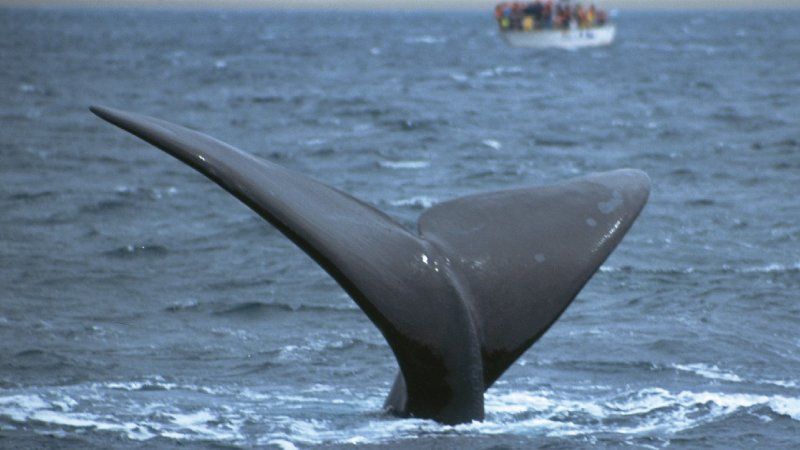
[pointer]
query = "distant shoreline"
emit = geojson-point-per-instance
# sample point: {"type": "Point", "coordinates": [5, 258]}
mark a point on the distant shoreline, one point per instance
{"type": "Point", "coordinates": [396, 5]}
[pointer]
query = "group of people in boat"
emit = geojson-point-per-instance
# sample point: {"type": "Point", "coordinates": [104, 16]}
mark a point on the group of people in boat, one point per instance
{"type": "Point", "coordinates": [539, 15]}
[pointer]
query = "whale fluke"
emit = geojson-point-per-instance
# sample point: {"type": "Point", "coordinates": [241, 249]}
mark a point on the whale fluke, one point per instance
{"type": "Point", "coordinates": [460, 300]}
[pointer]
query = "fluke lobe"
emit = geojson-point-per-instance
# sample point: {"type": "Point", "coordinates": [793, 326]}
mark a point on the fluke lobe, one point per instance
{"type": "Point", "coordinates": [458, 301]}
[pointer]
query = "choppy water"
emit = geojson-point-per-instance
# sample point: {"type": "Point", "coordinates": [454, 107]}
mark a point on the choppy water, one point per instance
{"type": "Point", "coordinates": [140, 305]}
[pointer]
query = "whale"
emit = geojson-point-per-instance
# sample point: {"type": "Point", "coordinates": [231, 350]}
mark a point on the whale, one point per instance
{"type": "Point", "coordinates": [458, 299]}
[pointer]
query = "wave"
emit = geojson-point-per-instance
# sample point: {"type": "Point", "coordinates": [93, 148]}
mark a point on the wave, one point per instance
{"type": "Point", "coordinates": [651, 411]}
{"type": "Point", "coordinates": [156, 383]}
{"type": "Point", "coordinates": [40, 360]}
{"type": "Point", "coordinates": [182, 305]}
{"type": "Point", "coordinates": [500, 71]}
{"type": "Point", "coordinates": [411, 164]}
{"type": "Point", "coordinates": [148, 193]}
{"type": "Point", "coordinates": [725, 268]}
{"type": "Point", "coordinates": [411, 125]}
{"type": "Point", "coordinates": [712, 372]}
{"type": "Point", "coordinates": [772, 268]}
{"type": "Point", "coordinates": [657, 410]}
{"type": "Point", "coordinates": [551, 141]}
{"type": "Point", "coordinates": [655, 270]}
{"type": "Point", "coordinates": [102, 206]}
{"type": "Point", "coordinates": [31, 195]}
{"type": "Point", "coordinates": [256, 308]}
{"type": "Point", "coordinates": [137, 250]}
{"type": "Point", "coordinates": [491, 143]}
{"type": "Point", "coordinates": [126, 196]}
{"type": "Point", "coordinates": [425, 39]}
{"type": "Point", "coordinates": [648, 412]}
{"type": "Point", "coordinates": [267, 99]}
{"type": "Point", "coordinates": [416, 202]}
{"type": "Point", "coordinates": [786, 144]}
{"type": "Point", "coordinates": [34, 409]}
{"type": "Point", "coordinates": [298, 352]}
{"type": "Point", "coordinates": [282, 444]}
{"type": "Point", "coordinates": [459, 77]}
{"type": "Point", "coordinates": [700, 202]}
{"type": "Point", "coordinates": [241, 283]}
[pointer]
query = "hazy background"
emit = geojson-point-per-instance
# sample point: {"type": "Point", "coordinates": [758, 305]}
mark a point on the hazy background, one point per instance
{"type": "Point", "coordinates": [408, 4]}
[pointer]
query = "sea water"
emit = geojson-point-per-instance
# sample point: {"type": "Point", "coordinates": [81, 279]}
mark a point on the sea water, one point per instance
{"type": "Point", "coordinates": [142, 306]}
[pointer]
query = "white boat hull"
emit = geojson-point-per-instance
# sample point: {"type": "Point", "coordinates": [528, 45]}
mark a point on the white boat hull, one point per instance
{"type": "Point", "coordinates": [569, 39]}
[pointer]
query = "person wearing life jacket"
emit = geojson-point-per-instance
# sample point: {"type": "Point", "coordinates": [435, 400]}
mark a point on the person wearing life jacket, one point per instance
{"type": "Point", "coordinates": [502, 12]}
{"type": "Point", "coordinates": [533, 15]}
{"type": "Point", "coordinates": [535, 9]}
{"type": "Point", "coordinates": [602, 18]}
{"type": "Point", "coordinates": [566, 16]}
{"type": "Point", "coordinates": [547, 14]}
{"type": "Point", "coordinates": [558, 19]}
{"type": "Point", "coordinates": [498, 14]}
{"type": "Point", "coordinates": [591, 15]}
{"type": "Point", "coordinates": [498, 11]}
{"type": "Point", "coordinates": [516, 15]}
{"type": "Point", "coordinates": [580, 15]}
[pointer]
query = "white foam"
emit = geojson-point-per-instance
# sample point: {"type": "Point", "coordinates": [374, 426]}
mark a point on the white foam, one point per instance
{"type": "Point", "coordinates": [585, 412]}
{"type": "Point", "coordinates": [25, 401]}
{"type": "Point", "coordinates": [65, 403]}
{"type": "Point", "coordinates": [25, 408]}
{"type": "Point", "coordinates": [71, 420]}
{"type": "Point", "coordinates": [541, 413]}
{"type": "Point", "coordinates": [491, 143]}
{"type": "Point", "coordinates": [139, 385]}
{"type": "Point", "coordinates": [152, 384]}
{"type": "Point", "coordinates": [658, 409]}
{"type": "Point", "coordinates": [18, 407]}
{"type": "Point", "coordinates": [282, 444]}
{"type": "Point", "coordinates": [711, 372]}
{"type": "Point", "coordinates": [499, 71]}
{"type": "Point", "coordinates": [771, 268]}
{"type": "Point", "coordinates": [202, 424]}
{"type": "Point", "coordinates": [657, 270]}
{"type": "Point", "coordinates": [404, 164]}
{"type": "Point", "coordinates": [320, 388]}
{"type": "Point", "coordinates": [425, 39]}
{"type": "Point", "coordinates": [781, 383]}
{"type": "Point", "coordinates": [418, 201]}
{"type": "Point", "coordinates": [191, 420]}
{"type": "Point", "coordinates": [788, 406]}
{"type": "Point", "coordinates": [767, 268]}
{"type": "Point", "coordinates": [517, 402]}
{"type": "Point", "coordinates": [154, 193]}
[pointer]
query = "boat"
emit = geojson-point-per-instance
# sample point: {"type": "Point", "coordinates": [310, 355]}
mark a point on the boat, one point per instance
{"type": "Point", "coordinates": [553, 24]}
{"type": "Point", "coordinates": [571, 38]}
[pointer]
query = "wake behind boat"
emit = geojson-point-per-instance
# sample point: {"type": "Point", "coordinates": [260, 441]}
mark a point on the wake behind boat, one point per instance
{"type": "Point", "coordinates": [553, 25]}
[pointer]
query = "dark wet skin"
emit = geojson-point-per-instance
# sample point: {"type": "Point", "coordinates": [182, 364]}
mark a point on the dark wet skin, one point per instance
{"type": "Point", "coordinates": [461, 300]}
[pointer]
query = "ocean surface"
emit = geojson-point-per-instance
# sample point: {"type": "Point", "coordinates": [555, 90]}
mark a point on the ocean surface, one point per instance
{"type": "Point", "coordinates": [142, 306]}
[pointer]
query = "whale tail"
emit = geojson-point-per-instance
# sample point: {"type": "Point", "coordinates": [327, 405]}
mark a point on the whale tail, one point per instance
{"type": "Point", "coordinates": [460, 300]}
